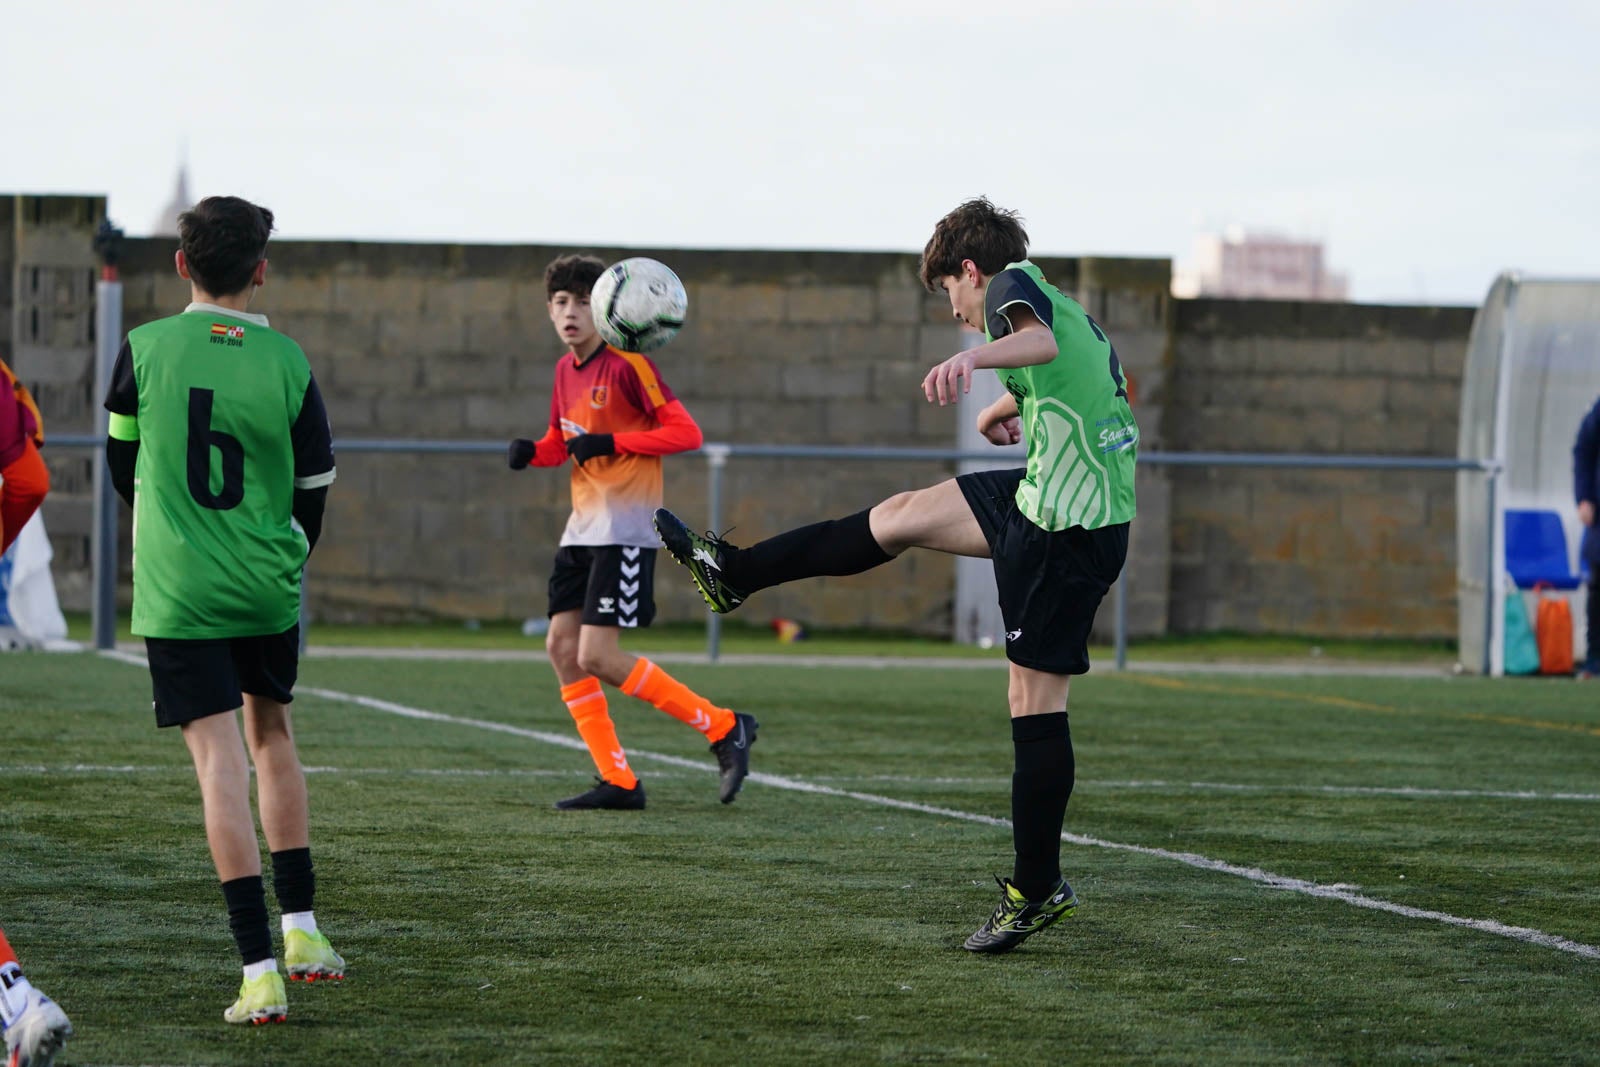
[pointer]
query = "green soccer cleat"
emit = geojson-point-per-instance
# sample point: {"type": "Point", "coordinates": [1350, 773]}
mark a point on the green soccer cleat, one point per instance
{"type": "Point", "coordinates": [37, 1032]}
{"type": "Point", "coordinates": [703, 556]}
{"type": "Point", "coordinates": [1016, 917]}
{"type": "Point", "coordinates": [310, 958]}
{"type": "Point", "coordinates": [261, 1000]}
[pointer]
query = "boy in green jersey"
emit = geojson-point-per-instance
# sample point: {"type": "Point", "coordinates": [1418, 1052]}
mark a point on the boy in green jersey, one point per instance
{"type": "Point", "coordinates": [220, 442]}
{"type": "Point", "coordinates": [1057, 530]}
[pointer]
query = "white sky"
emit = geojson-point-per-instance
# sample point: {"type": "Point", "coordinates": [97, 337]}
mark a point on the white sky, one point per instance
{"type": "Point", "coordinates": [1430, 145]}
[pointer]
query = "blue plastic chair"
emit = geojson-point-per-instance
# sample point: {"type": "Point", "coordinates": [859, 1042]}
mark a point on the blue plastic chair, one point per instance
{"type": "Point", "coordinates": [1536, 550]}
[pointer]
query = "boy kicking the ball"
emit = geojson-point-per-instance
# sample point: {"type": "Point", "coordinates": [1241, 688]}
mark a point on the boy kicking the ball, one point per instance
{"type": "Point", "coordinates": [220, 442]}
{"type": "Point", "coordinates": [613, 415]}
{"type": "Point", "coordinates": [1057, 530]}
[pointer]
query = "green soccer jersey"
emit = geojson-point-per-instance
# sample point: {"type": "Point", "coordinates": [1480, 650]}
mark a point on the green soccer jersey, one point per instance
{"type": "Point", "coordinates": [229, 423]}
{"type": "Point", "coordinates": [1081, 436]}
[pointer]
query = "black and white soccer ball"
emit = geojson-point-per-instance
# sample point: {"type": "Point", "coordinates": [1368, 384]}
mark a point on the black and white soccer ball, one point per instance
{"type": "Point", "coordinates": [638, 305]}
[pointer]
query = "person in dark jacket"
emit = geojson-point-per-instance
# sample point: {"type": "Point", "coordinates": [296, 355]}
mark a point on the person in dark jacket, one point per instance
{"type": "Point", "coordinates": [1586, 489]}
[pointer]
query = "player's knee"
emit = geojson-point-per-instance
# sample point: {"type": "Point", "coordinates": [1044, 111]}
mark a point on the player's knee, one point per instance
{"type": "Point", "coordinates": [595, 662]}
{"type": "Point", "coordinates": [562, 648]}
{"type": "Point", "coordinates": [889, 521]}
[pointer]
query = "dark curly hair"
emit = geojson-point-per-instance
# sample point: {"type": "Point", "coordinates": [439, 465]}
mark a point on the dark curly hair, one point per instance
{"type": "Point", "coordinates": [977, 230]}
{"type": "Point", "coordinates": [572, 274]}
{"type": "Point", "coordinates": [223, 238]}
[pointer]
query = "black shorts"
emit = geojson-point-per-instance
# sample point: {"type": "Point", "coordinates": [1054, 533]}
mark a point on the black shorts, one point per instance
{"type": "Point", "coordinates": [193, 679]}
{"type": "Point", "coordinates": [613, 584]}
{"type": "Point", "coordinates": [1051, 582]}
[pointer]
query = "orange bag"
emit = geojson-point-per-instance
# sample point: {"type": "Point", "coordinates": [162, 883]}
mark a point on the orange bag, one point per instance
{"type": "Point", "coordinates": [32, 421]}
{"type": "Point", "coordinates": [1552, 628]}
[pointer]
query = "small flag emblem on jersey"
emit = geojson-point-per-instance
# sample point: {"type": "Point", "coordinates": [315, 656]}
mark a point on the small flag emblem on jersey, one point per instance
{"type": "Point", "coordinates": [222, 330]}
{"type": "Point", "coordinates": [218, 328]}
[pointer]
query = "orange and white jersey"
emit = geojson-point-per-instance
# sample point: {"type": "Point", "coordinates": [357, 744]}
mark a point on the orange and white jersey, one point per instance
{"type": "Point", "coordinates": [614, 498]}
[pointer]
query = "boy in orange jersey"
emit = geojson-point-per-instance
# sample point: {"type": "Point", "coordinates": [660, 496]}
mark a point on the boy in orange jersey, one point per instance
{"type": "Point", "coordinates": [615, 417]}
{"type": "Point", "coordinates": [35, 1027]}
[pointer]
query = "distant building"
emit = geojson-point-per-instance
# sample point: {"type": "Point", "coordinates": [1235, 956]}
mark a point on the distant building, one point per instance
{"type": "Point", "coordinates": [167, 224]}
{"type": "Point", "coordinates": [1258, 266]}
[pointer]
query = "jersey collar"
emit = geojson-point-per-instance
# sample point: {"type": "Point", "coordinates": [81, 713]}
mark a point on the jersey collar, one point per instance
{"type": "Point", "coordinates": [213, 309]}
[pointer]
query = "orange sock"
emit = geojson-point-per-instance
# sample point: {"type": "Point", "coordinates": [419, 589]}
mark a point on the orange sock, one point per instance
{"type": "Point", "coordinates": [6, 955]}
{"type": "Point", "coordinates": [587, 702]}
{"type": "Point", "coordinates": [649, 682]}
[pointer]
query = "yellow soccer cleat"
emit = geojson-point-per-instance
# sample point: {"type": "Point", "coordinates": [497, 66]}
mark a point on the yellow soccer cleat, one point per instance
{"type": "Point", "coordinates": [310, 958]}
{"type": "Point", "coordinates": [261, 1000]}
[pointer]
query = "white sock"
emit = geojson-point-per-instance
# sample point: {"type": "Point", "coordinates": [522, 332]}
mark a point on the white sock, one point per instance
{"type": "Point", "coordinates": [13, 993]}
{"type": "Point", "coordinates": [253, 971]}
{"type": "Point", "coordinates": [304, 921]}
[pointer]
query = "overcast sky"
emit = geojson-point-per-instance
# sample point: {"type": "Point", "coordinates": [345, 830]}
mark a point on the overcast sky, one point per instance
{"type": "Point", "coordinates": [1430, 145]}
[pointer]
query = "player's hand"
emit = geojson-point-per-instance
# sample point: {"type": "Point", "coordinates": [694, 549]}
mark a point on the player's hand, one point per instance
{"type": "Point", "coordinates": [586, 446]}
{"type": "Point", "coordinates": [941, 383]}
{"type": "Point", "coordinates": [1004, 432]}
{"type": "Point", "coordinates": [520, 454]}
{"type": "Point", "coordinates": [1586, 512]}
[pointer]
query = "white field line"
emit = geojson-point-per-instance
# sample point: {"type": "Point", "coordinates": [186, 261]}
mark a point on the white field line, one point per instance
{"type": "Point", "coordinates": [1254, 874]}
{"type": "Point", "coordinates": [186, 770]}
{"type": "Point", "coordinates": [1402, 792]}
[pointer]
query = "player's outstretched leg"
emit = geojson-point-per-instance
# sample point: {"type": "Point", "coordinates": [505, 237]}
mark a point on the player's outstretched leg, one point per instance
{"type": "Point", "coordinates": [35, 1026]}
{"type": "Point", "coordinates": [726, 575]}
{"type": "Point", "coordinates": [1016, 917]}
{"type": "Point", "coordinates": [704, 556]}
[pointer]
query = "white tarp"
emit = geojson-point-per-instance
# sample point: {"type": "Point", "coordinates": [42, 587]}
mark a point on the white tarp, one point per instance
{"type": "Point", "coordinates": [30, 615]}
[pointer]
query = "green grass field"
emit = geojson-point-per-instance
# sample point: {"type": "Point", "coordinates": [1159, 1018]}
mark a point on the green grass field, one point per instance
{"type": "Point", "coordinates": [819, 918]}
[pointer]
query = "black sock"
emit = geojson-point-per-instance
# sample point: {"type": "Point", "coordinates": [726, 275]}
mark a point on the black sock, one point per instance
{"type": "Point", "coordinates": [836, 547]}
{"type": "Point", "coordinates": [293, 880]}
{"type": "Point", "coordinates": [247, 916]}
{"type": "Point", "coordinates": [1040, 788]}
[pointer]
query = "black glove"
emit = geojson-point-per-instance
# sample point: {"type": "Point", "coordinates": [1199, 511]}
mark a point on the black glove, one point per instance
{"type": "Point", "coordinates": [520, 454]}
{"type": "Point", "coordinates": [586, 446]}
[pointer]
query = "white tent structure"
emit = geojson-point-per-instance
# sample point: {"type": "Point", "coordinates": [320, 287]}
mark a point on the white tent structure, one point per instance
{"type": "Point", "coordinates": [1532, 373]}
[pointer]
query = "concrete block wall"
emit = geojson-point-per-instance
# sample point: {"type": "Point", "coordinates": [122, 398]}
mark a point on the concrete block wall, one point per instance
{"type": "Point", "coordinates": [1314, 552]}
{"type": "Point", "coordinates": [452, 342]}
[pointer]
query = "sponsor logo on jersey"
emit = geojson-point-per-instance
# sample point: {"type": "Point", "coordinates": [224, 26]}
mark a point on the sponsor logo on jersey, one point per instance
{"type": "Point", "coordinates": [1111, 440]}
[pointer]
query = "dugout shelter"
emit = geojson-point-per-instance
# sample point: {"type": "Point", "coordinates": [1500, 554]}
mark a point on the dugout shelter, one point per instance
{"type": "Point", "coordinates": [1532, 373]}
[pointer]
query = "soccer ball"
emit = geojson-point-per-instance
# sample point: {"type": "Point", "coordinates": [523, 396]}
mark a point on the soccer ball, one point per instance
{"type": "Point", "coordinates": [638, 305]}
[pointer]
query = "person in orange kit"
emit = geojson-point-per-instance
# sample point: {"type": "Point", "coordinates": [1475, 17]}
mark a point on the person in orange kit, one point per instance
{"type": "Point", "coordinates": [613, 415]}
{"type": "Point", "coordinates": [24, 480]}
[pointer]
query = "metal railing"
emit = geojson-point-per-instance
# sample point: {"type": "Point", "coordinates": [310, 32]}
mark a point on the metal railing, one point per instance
{"type": "Point", "coordinates": [717, 455]}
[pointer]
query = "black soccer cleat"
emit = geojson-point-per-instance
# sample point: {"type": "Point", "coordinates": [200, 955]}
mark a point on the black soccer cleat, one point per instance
{"type": "Point", "coordinates": [733, 754]}
{"type": "Point", "coordinates": [606, 795]}
{"type": "Point", "coordinates": [703, 556]}
{"type": "Point", "coordinates": [1016, 917]}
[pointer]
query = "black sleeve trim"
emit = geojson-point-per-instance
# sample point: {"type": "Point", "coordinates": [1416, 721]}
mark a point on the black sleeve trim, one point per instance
{"type": "Point", "coordinates": [122, 457]}
{"type": "Point", "coordinates": [313, 441]}
{"type": "Point", "coordinates": [307, 506]}
{"type": "Point", "coordinates": [122, 396]}
{"type": "Point", "coordinates": [1014, 286]}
